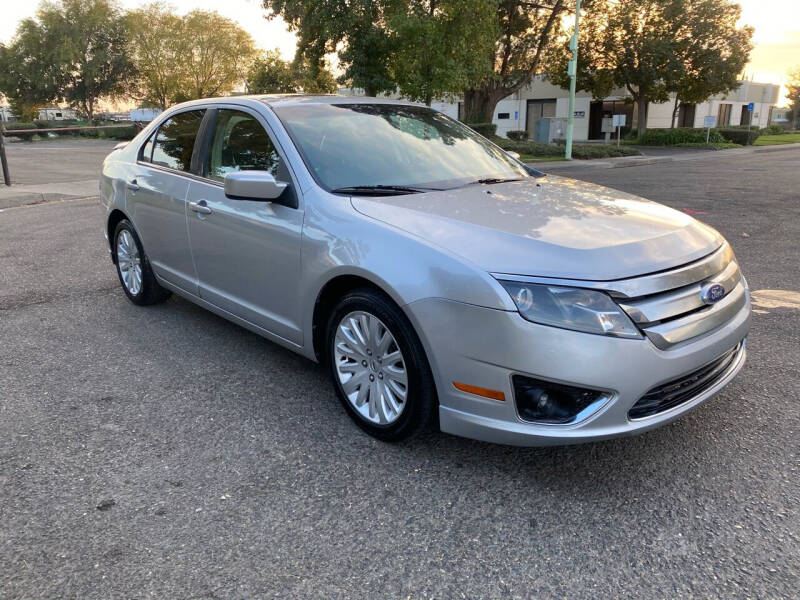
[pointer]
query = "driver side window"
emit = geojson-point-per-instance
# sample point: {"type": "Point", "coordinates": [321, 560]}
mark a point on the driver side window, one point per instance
{"type": "Point", "coordinates": [240, 143]}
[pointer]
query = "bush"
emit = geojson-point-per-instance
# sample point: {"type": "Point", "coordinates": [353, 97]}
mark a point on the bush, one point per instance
{"type": "Point", "coordinates": [678, 135]}
{"type": "Point", "coordinates": [519, 136]}
{"type": "Point", "coordinates": [772, 130]}
{"type": "Point", "coordinates": [740, 136]}
{"type": "Point", "coordinates": [579, 151]}
{"type": "Point", "coordinates": [20, 125]}
{"type": "Point", "coordinates": [487, 130]}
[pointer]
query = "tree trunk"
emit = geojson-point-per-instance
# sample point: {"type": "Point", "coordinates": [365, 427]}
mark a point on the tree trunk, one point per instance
{"type": "Point", "coordinates": [479, 104]}
{"type": "Point", "coordinates": [641, 118]}
{"type": "Point", "coordinates": [674, 112]}
{"type": "Point", "coordinates": [89, 112]}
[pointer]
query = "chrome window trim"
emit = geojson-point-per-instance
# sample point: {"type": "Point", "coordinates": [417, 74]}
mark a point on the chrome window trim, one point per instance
{"type": "Point", "coordinates": [645, 285]}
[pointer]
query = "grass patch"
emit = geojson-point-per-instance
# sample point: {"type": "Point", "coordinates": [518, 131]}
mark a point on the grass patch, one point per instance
{"type": "Point", "coordinates": [530, 158]}
{"type": "Point", "coordinates": [782, 138]}
{"type": "Point", "coordinates": [717, 146]}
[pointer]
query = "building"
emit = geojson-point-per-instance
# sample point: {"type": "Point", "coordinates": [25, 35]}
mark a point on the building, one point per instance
{"type": "Point", "coordinates": [56, 113]}
{"type": "Point", "coordinates": [541, 99]}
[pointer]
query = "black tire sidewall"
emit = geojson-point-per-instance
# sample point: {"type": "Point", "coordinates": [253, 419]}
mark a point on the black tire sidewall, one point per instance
{"type": "Point", "coordinates": [151, 292]}
{"type": "Point", "coordinates": [421, 397]}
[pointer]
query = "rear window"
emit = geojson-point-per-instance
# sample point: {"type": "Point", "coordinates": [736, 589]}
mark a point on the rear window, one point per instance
{"type": "Point", "coordinates": [174, 140]}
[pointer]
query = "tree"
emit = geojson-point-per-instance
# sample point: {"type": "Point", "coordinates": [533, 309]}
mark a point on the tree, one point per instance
{"type": "Point", "coordinates": [86, 40]}
{"type": "Point", "coordinates": [27, 79]}
{"type": "Point", "coordinates": [215, 55]}
{"type": "Point", "coordinates": [711, 50]}
{"type": "Point", "coordinates": [155, 51]}
{"type": "Point", "coordinates": [793, 94]}
{"type": "Point", "coordinates": [654, 47]}
{"type": "Point", "coordinates": [269, 74]}
{"type": "Point", "coordinates": [439, 46]}
{"type": "Point", "coordinates": [524, 33]}
{"type": "Point", "coordinates": [425, 49]}
{"type": "Point", "coordinates": [183, 58]}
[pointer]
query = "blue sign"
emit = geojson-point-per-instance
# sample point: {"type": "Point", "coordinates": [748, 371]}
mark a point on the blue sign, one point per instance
{"type": "Point", "coordinates": [751, 107]}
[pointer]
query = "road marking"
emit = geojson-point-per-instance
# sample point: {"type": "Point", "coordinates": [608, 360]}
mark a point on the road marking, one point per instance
{"type": "Point", "coordinates": [764, 299]}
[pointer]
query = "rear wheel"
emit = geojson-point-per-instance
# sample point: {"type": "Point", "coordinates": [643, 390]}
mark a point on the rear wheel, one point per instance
{"type": "Point", "coordinates": [133, 268]}
{"type": "Point", "coordinates": [379, 368]}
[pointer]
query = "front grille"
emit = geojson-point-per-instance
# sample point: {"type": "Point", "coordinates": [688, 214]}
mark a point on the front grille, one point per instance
{"type": "Point", "coordinates": [683, 389]}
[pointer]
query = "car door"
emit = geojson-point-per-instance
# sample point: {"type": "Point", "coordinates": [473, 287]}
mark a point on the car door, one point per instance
{"type": "Point", "coordinates": [247, 252]}
{"type": "Point", "coordinates": [156, 197]}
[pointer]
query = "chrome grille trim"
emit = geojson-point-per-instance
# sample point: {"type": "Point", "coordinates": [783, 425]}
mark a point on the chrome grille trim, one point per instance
{"type": "Point", "coordinates": [697, 323]}
{"type": "Point", "coordinates": [684, 300]}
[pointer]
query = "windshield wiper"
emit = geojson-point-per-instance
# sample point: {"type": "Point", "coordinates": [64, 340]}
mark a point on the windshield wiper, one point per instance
{"type": "Point", "coordinates": [493, 180]}
{"type": "Point", "coordinates": [383, 190]}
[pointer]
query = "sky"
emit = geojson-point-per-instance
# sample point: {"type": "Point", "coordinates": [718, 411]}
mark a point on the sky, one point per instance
{"type": "Point", "coordinates": [776, 22]}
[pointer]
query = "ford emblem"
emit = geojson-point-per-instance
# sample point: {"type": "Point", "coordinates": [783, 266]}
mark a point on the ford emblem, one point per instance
{"type": "Point", "coordinates": [711, 293]}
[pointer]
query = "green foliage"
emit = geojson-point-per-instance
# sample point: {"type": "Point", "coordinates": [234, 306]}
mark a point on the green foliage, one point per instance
{"type": "Point", "coordinates": [27, 137]}
{"type": "Point", "coordinates": [180, 58]}
{"type": "Point", "coordinates": [523, 33]}
{"type": "Point", "coordinates": [579, 151]}
{"type": "Point", "coordinates": [654, 47]}
{"type": "Point", "coordinates": [678, 135]}
{"type": "Point", "coordinates": [740, 136]}
{"type": "Point", "coordinates": [518, 136]}
{"type": "Point", "coordinates": [772, 130]}
{"type": "Point", "coordinates": [426, 49]}
{"type": "Point", "coordinates": [271, 75]}
{"type": "Point", "coordinates": [793, 95]}
{"type": "Point", "coordinates": [487, 130]}
{"type": "Point", "coordinates": [709, 146]}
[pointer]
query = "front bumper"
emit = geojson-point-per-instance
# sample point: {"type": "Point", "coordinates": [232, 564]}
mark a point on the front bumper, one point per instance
{"type": "Point", "coordinates": [486, 347]}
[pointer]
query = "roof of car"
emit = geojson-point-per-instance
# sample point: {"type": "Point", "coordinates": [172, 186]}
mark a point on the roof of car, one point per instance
{"type": "Point", "coordinates": [290, 99]}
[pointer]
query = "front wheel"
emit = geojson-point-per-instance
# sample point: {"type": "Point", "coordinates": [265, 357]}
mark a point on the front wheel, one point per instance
{"type": "Point", "coordinates": [379, 368]}
{"type": "Point", "coordinates": [133, 268]}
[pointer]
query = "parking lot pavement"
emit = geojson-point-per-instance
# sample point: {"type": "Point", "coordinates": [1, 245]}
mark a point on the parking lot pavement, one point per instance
{"type": "Point", "coordinates": [53, 170]}
{"type": "Point", "coordinates": [164, 452]}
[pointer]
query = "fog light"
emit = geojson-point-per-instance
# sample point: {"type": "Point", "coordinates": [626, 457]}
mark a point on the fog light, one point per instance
{"type": "Point", "coordinates": [554, 403]}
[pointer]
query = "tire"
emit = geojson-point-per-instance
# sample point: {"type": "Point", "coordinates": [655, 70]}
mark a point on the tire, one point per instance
{"type": "Point", "coordinates": [140, 287]}
{"type": "Point", "coordinates": [368, 377]}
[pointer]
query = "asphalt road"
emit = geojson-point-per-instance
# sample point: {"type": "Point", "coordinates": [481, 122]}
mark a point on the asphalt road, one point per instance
{"type": "Point", "coordinates": [163, 452]}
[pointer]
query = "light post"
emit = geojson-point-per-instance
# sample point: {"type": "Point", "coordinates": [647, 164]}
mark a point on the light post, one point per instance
{"type": "Point", "coordinates": [572, 71]}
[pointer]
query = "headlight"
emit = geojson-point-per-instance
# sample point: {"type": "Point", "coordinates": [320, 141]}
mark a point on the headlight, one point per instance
{"type": "Point", "coordinates": [570, 308]}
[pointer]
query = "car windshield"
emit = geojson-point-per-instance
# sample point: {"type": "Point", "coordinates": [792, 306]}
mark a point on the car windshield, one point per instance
{"type": "Point", "coordinates": [364, 146]}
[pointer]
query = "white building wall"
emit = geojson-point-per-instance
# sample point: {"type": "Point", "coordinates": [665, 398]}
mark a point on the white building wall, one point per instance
{"type": "Point", "coordinates": [580, 127]}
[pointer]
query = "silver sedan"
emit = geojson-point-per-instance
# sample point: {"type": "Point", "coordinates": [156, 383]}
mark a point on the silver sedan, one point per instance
{"type": "Point", "coordinates": [439, 279]}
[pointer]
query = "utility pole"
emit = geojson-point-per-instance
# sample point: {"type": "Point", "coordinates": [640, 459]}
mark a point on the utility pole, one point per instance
{"type": "Point", "coordinates": [572, 71]}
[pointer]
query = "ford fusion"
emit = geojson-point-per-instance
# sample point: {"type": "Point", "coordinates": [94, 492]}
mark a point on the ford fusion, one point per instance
{"type": "Point", "coordinates": [440, 280]}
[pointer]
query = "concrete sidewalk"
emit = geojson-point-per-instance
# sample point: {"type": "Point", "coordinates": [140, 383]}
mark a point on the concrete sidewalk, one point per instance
{"type": "Point", "coordinates": [20, 195]}
{"type": "Point", "coordinates": [659, 157]}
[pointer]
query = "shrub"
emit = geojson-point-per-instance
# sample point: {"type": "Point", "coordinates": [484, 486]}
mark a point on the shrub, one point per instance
{"type": "Point", "coordinates": [21, 125]}
{"type": "Point", "coordinates": [519, 136]}
{"type": "Point", "coordinates": [485, 129]}
{"type": "Point", "coordinates": [678, 135]}
{"type": "Point", "coordinates": [740, 136]}
{"type": "Point", "coordinates": [772, 130]}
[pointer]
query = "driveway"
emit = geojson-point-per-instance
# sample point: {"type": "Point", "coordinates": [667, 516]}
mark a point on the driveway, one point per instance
{"type": "Point", "coordinates": [164, 452]}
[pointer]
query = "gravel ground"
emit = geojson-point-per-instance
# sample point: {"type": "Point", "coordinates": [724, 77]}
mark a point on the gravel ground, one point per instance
{"type": "Point", "coordinates": [165, 453]}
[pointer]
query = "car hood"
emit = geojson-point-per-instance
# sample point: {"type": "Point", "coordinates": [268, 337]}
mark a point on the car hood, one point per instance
{"type": "Point", "coordinates": [549, 227]}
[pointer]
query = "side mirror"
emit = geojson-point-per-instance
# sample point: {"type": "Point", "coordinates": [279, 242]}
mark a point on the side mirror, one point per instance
{"type": "Point", "coordinates": [513, 154]}
{"type": "Point", "coordinates": [253, 185]}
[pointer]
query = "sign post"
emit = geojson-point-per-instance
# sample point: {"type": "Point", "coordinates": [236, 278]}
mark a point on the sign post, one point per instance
{"type": "Point", "coordinates": [709, 121]}
{"type": "Point", "coordinates": [750, 107]}
{"type": "Point", "coordinates": [572, 71]}
{"type": "Point", "coordinates": [618, 121]}
{"type": "Point", "coordinates": [3, 161]}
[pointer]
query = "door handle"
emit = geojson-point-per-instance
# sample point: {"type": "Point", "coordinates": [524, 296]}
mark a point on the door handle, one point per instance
{"type": "Point", "coordinates": [132, 185]}
{"type": "Point", "coordinates": [200, 207]}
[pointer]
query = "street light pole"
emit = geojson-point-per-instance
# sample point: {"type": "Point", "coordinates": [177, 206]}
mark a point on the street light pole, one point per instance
{"type": "Point", "coordinates": [572, 71]}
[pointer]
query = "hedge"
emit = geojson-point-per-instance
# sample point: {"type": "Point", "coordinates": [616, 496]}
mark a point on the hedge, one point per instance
{"type": "Point", "coordinates": [487, 130]}
{"type": "Point", "coordinates": [740, 136]}
{"type": "Point", "coordinates": [579, 151]}
{"type": "Point", "coordinates": [679, 135]}
{"type": "Point", "coordinates": [519, 136]}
